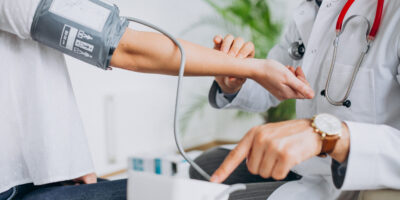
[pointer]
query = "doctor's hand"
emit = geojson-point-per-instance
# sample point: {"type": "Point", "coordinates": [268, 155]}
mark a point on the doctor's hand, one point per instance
{"type": "Point", "coordinates": [235, 47]}
{"type": "Point", "coordinates": [282, 82]}
{"type": "Point", "coordinates": [273, 149]}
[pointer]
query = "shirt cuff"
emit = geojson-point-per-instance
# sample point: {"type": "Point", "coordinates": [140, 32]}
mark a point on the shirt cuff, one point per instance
{"type": "Point", "coordinates": [228, 97]}
{"type": "Point", "coordinates": [362, 159]}
{"type": "Point", "coordinates": [219, 99]}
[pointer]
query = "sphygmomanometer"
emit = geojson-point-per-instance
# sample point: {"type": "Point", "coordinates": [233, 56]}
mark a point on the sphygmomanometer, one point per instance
{"type": "Point", "coordinates": [90, 30]}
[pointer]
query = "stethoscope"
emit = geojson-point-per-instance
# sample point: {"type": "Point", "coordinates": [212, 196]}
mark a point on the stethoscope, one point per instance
{"type": "Point", "coordinates": [297, 48]}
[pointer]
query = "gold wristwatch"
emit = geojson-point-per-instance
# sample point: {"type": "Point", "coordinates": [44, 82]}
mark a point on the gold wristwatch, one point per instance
{"type": "Point", "coordinates": [329, 128]}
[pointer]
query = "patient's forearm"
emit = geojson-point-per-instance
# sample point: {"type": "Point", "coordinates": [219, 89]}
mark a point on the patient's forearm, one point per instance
{"type": "Point", "coordinates": [154, 53]}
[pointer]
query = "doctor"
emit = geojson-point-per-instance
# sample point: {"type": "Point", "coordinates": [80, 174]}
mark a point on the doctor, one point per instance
{"type": "Point", "coordinates": [43, 149]}
{"type": "Point", "coordinates": [339, 144]}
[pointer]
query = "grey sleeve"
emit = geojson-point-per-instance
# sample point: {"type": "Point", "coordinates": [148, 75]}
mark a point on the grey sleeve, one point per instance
{"type": "Point", "coordinates": [338, 172]}
{"type": "Point", "coordinates": [90, 36]}
{"type": "Point", "coordinates": [252, 97]}
{"type": "Point", "coordinates": [218, 98]}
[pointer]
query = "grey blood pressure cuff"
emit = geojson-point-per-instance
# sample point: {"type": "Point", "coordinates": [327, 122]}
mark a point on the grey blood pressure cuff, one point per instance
{"type": "Point", "coordinates": [88, 30]}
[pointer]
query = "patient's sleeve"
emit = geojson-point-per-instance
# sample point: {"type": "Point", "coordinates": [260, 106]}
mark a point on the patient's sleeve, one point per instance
{"type": "Point", "coordinates": [16, 16]}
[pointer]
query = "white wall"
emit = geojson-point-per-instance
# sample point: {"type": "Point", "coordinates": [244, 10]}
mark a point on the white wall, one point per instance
{"type": "Point", "coordinates": [139, 107]}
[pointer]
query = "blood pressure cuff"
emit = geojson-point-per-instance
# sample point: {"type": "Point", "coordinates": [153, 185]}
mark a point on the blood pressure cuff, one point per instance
{"type": "Point", "coordinates": [88, 30]}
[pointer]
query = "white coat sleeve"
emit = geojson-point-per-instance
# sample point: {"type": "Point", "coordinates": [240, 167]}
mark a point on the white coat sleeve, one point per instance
{"type": "Point", "coordinates": [16, 16]}
{"type": "Point", "coordinates": [374, 158]}
{"type": "Point", "coordinates": [253, 97]}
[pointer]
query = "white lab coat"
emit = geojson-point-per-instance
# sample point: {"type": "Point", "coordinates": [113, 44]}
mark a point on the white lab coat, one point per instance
{"type": "Point", "coordinates": [373, 118]}
{"type": "Point", "coordinates": [41, 133]}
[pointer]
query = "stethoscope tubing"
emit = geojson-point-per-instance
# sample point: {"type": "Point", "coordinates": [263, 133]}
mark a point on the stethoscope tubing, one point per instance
{"type": "Point", "coordinates": [370, 37]}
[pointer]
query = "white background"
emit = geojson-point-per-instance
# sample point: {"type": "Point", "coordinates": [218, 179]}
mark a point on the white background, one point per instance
{"type": "Point", "coordinates": [127, 113]}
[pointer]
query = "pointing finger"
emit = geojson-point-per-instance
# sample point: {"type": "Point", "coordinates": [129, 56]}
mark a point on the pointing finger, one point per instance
{"type": "Point", "coordinates": [235, 157]}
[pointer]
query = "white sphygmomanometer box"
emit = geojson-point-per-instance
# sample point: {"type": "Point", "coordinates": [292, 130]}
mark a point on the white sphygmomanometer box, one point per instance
{"type": "Point", "coordinates": [150, 186]}
{"type": "Point", "coordinates": [170, 164]}
{"type": "Point", "coordinates": [167, 177]}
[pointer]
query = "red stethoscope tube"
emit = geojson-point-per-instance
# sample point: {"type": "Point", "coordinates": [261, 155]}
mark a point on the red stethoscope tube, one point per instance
{"type": "Point", "coordinates": [377, 21]}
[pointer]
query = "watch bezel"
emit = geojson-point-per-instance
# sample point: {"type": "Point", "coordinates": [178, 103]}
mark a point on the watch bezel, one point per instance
{"type": "Point", "coordinates": [322, 129]}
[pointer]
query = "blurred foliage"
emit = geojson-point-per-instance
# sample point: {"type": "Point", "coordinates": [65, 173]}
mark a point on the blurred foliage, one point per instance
{"type": "Point", "coordinates": [253, 17]}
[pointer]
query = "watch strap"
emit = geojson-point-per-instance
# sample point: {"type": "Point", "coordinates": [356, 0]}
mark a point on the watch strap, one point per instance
{"type": "Point", "coordinates": [328, 144]}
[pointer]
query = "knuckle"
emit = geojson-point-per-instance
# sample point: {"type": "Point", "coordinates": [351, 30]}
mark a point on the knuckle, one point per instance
{"type": "Point", "coordinates": [264, 174]}
{"type": "Point", "coordinates": [260, 139]}
{"type": "Point", "coordinates": [278, 176]}
{"type": "Point", "coordinates": [273, 145]}
{"type": "Point", "coordinates": [252, 169]}
{"type": "Point", "coordinates": [282, 154]}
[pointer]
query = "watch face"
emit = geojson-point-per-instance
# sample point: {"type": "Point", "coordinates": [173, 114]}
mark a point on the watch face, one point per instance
{"type": "Point", "coordinates": [328, 124]}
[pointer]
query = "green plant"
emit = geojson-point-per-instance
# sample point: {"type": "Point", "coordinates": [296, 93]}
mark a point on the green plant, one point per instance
{"type": "Point", "coordinates": [254, 18]}
{"type": "Point", "coordinates": [252, 15]}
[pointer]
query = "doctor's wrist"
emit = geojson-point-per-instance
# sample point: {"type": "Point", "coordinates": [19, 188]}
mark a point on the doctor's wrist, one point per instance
{"type": "Point", "coordinates": [342, 148]}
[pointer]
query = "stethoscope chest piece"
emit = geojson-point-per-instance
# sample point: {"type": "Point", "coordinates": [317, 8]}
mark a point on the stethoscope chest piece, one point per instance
{"type": "Point", "coordinates": [346, 103]}
{"type": "Point", "coordinates": [297, 50]}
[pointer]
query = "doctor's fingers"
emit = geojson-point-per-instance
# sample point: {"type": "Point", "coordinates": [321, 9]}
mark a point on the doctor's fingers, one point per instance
{"type": "Point", "coordinates": [247, 51]}
{"type": "Point", "coordinates": [300, 87]}
{"type": "Point", "coordinates": [286, 160]}
{"type": "Point", "coordinates": [234, 158]}
{"type": "Point", "coordinates": [300, 75]}
{"type": "Point", "coordinates": [218, 42]}
{"type": "Point", "coordinates": [292, 69]}
{"type": "Point", "coordinates": [285, 92]}
{"type": "Point", "coordinates": [234, 82]}
{"type": "Point", "coordinates": [256, 152]}
{"type": "Point", "coordinates": [237, 45]}
{"type": "Point", "coordinates": [298, 72]}
{"type": "Point", "coordinates": [227, 43]}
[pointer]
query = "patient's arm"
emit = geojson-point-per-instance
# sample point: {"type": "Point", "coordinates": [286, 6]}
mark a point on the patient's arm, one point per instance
{"type": "Point", "coordinates": [153, 53]}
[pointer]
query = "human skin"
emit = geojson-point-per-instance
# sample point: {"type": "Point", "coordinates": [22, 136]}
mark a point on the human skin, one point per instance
{"type": "Point", "coordinates": [273, 149]}
{"type": "Point", "coordinates": [153, 53]}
